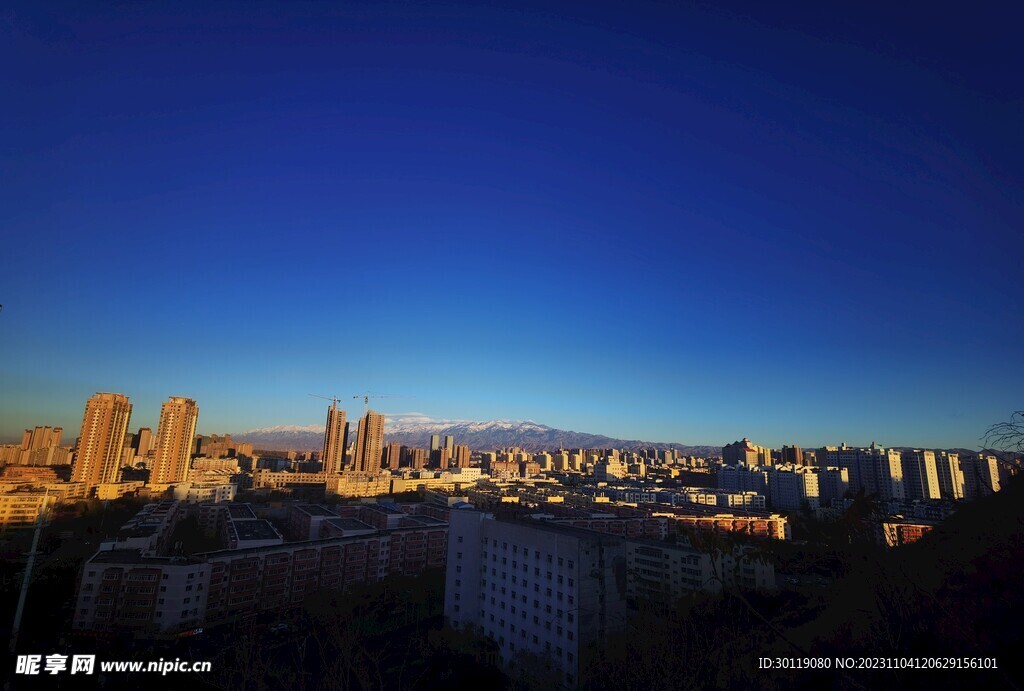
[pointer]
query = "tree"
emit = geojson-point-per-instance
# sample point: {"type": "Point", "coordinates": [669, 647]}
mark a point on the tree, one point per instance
{"type": "Point", "coordinates": [1008, 436]}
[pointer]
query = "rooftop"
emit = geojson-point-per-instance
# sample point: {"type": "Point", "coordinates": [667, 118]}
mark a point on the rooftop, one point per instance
{"type": "Point", "coordinates": [254, 530]}
{"type": "Point", "coordinates": [134, 557]}
{"type": "Point", "coordinates": [240, 511]}
{"type": "Point", "coordinates": [315, 510]}
{"type": "Point", "coordinates": [349, 524]}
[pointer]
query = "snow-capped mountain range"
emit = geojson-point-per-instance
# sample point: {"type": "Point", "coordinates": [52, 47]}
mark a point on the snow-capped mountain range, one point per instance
{"type": "Point", "coordinates": [414, 429]}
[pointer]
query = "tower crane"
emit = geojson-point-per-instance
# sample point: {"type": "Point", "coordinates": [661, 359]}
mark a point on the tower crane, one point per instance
{"type": "Point", "coordinates": [368, 395]}
{"type": "Point", "coordinates": [333, 399]}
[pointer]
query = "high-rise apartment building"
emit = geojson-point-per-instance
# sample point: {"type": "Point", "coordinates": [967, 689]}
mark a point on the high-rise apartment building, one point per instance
{"type": "Point", "coordinates": [41, 438]}
{"type": "Point", "coordinates": [833, 484]}
{"type": "Point", "coordinates": [792, 455]}
{"type": "Point", "coordinates": [951, 475]}
{"type": "Point", "coordinates": [369, 442]}
{"type": "Point", "coordinates": [98, 456]}
{"type": "Point", "coordinates": [143, 441]}
{"type": "Point", "coordinates": [981, 475]}
{"type": "Point", "coordinates": [335, 441]}
{"type": "Point", "coordinates": [415, 458]}
{"type": "Point", "coordinates": [920, 474]}
{"type": "Point", "coordinates": [874, 470]}
{"type": "Point", "coordinates": [174, 438]}
{"type": "Point", "coordinates": [794, 487]}
{"type": "Point", "coordinates": [746, 453]}
{"type": "Point", "coordinates": [393, 455]}
{"type": "Point", "coordinates": [461, 457]}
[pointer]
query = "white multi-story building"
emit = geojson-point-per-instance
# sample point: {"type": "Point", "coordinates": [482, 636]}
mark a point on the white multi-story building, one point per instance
{"type": "Point", "coordinates": [535, 587]}
{"type": "Point", "coordinates": [951, 475]}
{"type": "Point", "coordinates": [661, 573]}
{"type": "Point", "coordinates": [874, 470]}
{"type": "Point", "coordinates": [793, 488]}
{"type": "Point", "coordinates": [743, 478]}
{"type": "Point", "coordinates": [124, 589]}
{"type": "Point", "coordinates": [981, 475]}
{"type": "Point", "coordinates": [920, 474]}
{"type": "Point", "coordinates": [833, 484]}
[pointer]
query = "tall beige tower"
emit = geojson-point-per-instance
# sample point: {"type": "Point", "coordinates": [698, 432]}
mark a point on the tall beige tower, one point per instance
{"type": "Point", "coordinates": [177, 429]}
{"type": "Point", "coordinates": [98, 457]}
{"type": "Point", "coordinates": [369, 442]}
{"type": "Point", "coordinates": [335, 440]}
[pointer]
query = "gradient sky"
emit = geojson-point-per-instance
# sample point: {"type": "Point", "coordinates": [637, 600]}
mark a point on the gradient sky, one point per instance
{"type": "Point", "coordinates": [673, 222]}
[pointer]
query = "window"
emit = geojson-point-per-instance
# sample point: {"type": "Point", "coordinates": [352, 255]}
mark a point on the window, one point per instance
{"type": "Point", "coordinates": [458, 555]}
{"type": "Point", "coordinates": [460, 540]}
{"type": "Point", "coordinates": [571, 582]}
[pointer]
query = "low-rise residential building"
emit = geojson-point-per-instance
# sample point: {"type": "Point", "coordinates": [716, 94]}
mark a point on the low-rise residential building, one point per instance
{"type": "Point", "coordinates": [660, 573]}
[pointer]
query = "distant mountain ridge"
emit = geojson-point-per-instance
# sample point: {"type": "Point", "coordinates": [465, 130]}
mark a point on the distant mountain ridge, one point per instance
{"type": "Point", "coordinates": [415, 431]}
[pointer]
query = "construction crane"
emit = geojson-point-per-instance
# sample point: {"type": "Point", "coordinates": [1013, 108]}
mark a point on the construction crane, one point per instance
{"type": "Point", "coordinates": [333, 399]}
{"type": "Point", "coordinates": [367, 396]}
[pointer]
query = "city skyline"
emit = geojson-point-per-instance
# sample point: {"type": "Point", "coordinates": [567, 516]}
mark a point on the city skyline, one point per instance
{"type": "Point", "coordinates": [414, 419]}
{"type": "Point", "coordinates": [685, 224]}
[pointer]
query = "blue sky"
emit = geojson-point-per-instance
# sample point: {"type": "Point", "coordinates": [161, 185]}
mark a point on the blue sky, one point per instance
{"type": "Point", "coordinates": [667, 222]}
